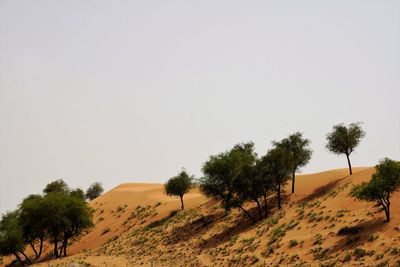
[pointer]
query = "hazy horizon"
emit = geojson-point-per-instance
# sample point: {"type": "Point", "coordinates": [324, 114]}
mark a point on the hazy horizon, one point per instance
{"type": "Point", "coordinates": [132, 91]}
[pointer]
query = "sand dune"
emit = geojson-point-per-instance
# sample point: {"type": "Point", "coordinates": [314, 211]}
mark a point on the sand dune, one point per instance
{"type": "Point", "coordinates": [203, 235]}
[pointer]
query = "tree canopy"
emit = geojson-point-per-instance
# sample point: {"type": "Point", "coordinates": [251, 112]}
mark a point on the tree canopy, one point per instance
{"type": "Point", "coordinates": [57, 216]}
{"type": "Point", "coordinates": [383, 183]}
{"type": "Point", "coordinates": [344, 139]}
{"type": "Point", "coordinates": [299, 152]}
{"type": "Point", "coordinates": [179, 185]}
{"type": "Point", "coordinates": [94, 191]}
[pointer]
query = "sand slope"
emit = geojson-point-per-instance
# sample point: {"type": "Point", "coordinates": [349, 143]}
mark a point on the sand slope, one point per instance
{"type": "Point", "coordinates": [134, 227]}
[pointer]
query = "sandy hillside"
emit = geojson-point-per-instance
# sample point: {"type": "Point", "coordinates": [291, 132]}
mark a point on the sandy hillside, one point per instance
{"type": "Point", "coordinates": [136, 225]}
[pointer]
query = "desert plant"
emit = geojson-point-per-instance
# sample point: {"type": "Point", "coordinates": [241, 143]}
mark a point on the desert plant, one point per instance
{"type": "Point", "coordinates": [293, 243]}
{"type": "Point", "coordinates": [344, 140]}
{"type": "Point", "coordinates": [105, 230]}
{"type": "Point", "coordinates": [383, 183]}
{"type": "Point", "coordinates": [94, 191]}
{"type": "Point", "coordinates": [179, 185]}
{"type": "Point", "coordinates": [299, 151]}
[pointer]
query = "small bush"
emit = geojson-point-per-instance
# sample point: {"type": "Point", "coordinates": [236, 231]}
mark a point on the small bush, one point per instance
{"type": "Point", "coordinates": [105, 230]}
{"type": "Point", "coordinates": [317, 239]}
{"type": "Point", "coordinates": [359, 253]}
{"type": "Point", "coordinates": [293, 243]}
{"type": "Point", "coordinates": [346, 257]}
{"type": "Point", "coordinates": [395, 251]}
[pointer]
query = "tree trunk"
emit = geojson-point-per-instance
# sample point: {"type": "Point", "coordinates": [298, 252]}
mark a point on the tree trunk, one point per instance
{"type": "Point", "coordinates": [265, 204]}
{"type": "Point", "coordinates": [41, 246]}
{"type": "Point", "coordinates": [34, 249]}
{"type": "Point", "coordinates": [182, 202]}
{"type": "Point", "coordinates": [26, 257]}
{"type": "Point", "coordinates": [65, 247]}
{"type": "Point", "coordinates": [387, 210]}
{"type": "Point", "coordinates": [18, 258]}
{"type": "Point", "coordinates": [293, 176]}
{"type": "Point", "coordinates": [348, 161]}
{"type": "Point", "coordinates": [55, 248]}
{"type": "Point", "coordinates": [259, 208]}
{"type": "Point", "coordinates": [248, 214]}
{"type": "Point", "coordinates": [279, 197]}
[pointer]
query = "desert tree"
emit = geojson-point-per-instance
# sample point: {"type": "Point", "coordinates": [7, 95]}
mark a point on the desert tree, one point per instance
{"type": "Point", "coordinates": [383, 183]}
{"type": "Point", "coordinates": [300, 153]}
{"type": "Point", "coordinates": [11, 237]}
{"type": "Point", "coordinates": [344, 139]}
{"type": "Point", "coordinates": [78, 218]}
{"type": "Point", "coordinates": [275, 168]}
{"type": "Point", "coordinates": [179, 185]}
{"type": "Point", "coordinates": [32, 219]}
{"type": "Point", "coordinates": [94, 191]}
{"type": "Point", "coordinates": [57, 186]}
{"type": "Point", "coordinates": [77, 192]}
{"type": "Point", "coordinates": [225, 174]}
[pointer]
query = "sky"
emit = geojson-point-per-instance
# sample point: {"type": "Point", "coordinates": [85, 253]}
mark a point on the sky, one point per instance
{"type": "Point", "coordinates": [132, 91]}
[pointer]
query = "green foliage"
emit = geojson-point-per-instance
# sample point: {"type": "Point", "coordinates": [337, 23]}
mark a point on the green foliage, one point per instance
{"type": "Point", "coordinates": [299, 152]}
{"type": "Point", "coordinates": [11, 234]}
{"type": "Point", "coordinates": [94, 191]}
{"type": "Point", "coordinates": [293, 243]}
{"type": "Point", "coordinates": [58, 186]}
{"type": "Point", "coordinates": [230, 177]}
{"type": "Point", "coordinates": [344, 139]}
{"type": "Point", "coordinates": [383, 183]}
{"type": "Point", "coordinates": [57, 216]}
{"type": "Point", "coordinates": [359, 253]}
{"type": "Point", "coordinates": [275, 168]}
{"type": "Point", "coordinates": [179, 185]}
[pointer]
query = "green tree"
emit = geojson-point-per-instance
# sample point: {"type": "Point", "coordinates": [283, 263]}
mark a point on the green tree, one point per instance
{"type": "Point", "coordinates": [94, 191]}
{"type": "Point", "coordinates": [78, 193]}
{"type": "Point", "coordinates": [58, 186]}
{"type": "Point", "coordinates": [300, 153]}
{"type": "Point", "coordinates": [226, 174]}
{"type": "Point", "coordinates": [275, 168]}
{"type": "Point", "coordinates": [179, 185]}
{"type": "Point", "coordinates": [78, 218]}
{"type": "Point", "coordinates": [383, 183]}
{"type": "Point", "coordinates": [32, 219]}
{"type": "Point", "coordinates": [11, 237]}
{"type": "Point", "coordinates": [343, 139]}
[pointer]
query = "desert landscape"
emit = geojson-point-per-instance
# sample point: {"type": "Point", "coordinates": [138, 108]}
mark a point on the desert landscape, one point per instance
{"type": "Point", "coordinates": [321, 225]}
{"type": "Point", "coordinates": [199, 133]}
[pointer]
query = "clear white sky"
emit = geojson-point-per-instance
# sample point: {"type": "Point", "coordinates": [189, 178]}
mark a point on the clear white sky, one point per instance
{"type": "Point", "coordinates": [131, 91]}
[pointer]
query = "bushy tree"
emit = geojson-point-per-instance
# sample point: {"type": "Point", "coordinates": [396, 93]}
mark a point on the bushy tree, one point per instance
{"type": "Point", "coordinates": [32, 219]}
{"type": "Point", "coordinates": [179, 185]}
{"type": "Point", "coordinates": [57, 186]}
{"type": "Point", "coordinates": [275, 168]}
{"type": "Point", "coordinates": [94, 191]}
{"type": "Point", "coordinates": [226, 174]}
{"type": "Point", "coordinates": [383, 183]}
{"type": "Point", "coordinates": [298, 149]}
{"type": "Point", "coordinates": [344, 139]}
{"type": "Point", "coordinates": [77, 218]}
{"type": "Point", "coordinates": [11, 237]}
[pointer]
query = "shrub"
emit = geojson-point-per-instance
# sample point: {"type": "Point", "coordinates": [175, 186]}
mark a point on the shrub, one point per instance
{"type": "Point", "coordinates": [317, 239]}
{"type": "Point", "coordinates": [293, 243]}
{"type": "Point", "coordinates": [105, 230]}
{"type": "Point", "coordinates": [346, 257]}
{"type": "Point", "coordinates": [359, 253]}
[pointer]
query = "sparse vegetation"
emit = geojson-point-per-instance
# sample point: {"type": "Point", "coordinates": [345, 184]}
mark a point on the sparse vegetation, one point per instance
{"type": "Point", "coordinates": [383, 183]}
{"type": "Point", "coordinates": [344, 139]}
